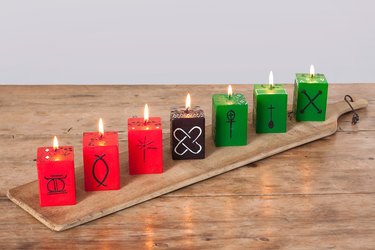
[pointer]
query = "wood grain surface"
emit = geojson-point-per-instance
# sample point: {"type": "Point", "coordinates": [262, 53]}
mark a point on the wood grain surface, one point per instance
{"type": "Point", "coordinates": [317, 196]}
{"type": "Point", "coordinates": [177, 174]}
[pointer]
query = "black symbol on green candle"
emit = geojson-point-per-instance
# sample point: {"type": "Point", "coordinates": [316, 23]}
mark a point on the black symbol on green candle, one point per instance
{"type": "Point", "coordinates": [311, 101]}
{"type": "Point", "coordinates": [56, 184]}
{"type": "Point", "coordinates": [145, 145]}
{"type": "Point", "coordinates": [100, 158]}
{"type": "Point", "coordinates": [270, 123]}
{"type": "Point", "coordinates": [230, 119]}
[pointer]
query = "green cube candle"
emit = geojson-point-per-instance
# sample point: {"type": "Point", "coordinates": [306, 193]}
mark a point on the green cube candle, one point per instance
{"type": "Point", "coordinates": [229, 119]}
{"type": "Point", "coordinates": [270, 109]}
{"type": "Point", "coordinates": [310, 97]}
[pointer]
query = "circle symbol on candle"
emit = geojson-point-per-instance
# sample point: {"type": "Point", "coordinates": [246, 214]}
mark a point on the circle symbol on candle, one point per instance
{"type": "Point", "coordinates": [55, 184]}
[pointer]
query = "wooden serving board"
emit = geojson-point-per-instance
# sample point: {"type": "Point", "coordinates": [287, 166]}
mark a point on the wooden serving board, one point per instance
{"type": "Point", "coordinates": [178, 174]}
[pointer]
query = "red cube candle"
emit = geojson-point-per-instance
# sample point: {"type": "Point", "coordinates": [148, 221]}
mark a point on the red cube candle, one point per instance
{"type": "Point", "coordinates": [145, 145]}
{"type": "Point", "coordinates": [101, 160]}
{"type": "Point", "coordinates": [55, 167]}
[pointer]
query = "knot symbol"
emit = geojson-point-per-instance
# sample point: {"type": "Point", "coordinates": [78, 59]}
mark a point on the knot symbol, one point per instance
{"type": "Point", "coordinates": [181, 147]}
{"type": "Point", "coordinates": [100, 158]}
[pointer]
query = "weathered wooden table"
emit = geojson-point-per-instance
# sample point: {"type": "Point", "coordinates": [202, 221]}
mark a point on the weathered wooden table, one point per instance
{"type": "Point", "coordinates": [320, 195]}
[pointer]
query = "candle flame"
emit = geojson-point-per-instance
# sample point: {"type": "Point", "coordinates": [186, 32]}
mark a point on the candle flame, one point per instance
{"type": "Point", "coordinates": [55, 143]}
{"type": "Point", "coordinates": [312, 70]}
{"type": "Point", "coordinates": [270, 80]}
{"type": "Point", "coordinates": [230, 91]}
{"type": "Point", "coordinates": [101, 127]}
{"type": "Point", "coordinates": [188, 102]}
{"type": "Point", "coordinates": [145, 114]}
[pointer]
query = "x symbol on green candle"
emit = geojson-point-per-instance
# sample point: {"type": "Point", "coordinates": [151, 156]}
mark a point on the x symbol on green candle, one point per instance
{"type": "Point", "coordinates": [311, 101]}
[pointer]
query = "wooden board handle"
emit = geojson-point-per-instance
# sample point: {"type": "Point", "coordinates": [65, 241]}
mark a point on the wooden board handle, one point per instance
{"type": "Point", "coordinates": [177, 174]}
{"type": "Point", "coordinates": [342, 107]}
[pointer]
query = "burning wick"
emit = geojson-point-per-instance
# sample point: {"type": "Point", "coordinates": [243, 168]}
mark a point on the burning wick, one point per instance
{"type": "Point", "coordinates": [312, 70]}
{"type": "Point", "coordinates": [188, 103]}
{"type": "Point", "coordinates": [55, 143]}
{"type": "Point", "coordinates": [270, 80]}
{"type": "Point", "coordinates": [230, 91]}
{"type": "Point", "coordinates": [145, 114]}
{"type": "Point", "coordinates": [101, 128]}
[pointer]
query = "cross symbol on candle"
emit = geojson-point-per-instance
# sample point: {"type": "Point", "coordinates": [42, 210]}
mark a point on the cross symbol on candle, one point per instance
{"type": "Point", "coordinates": [270, 123]}
{"type": "Point", "coordinates": [230, 118]}
{"type": "Point", "coordinates": [145, 145]}
{"type": "Point", "coordinates": [311, 101]}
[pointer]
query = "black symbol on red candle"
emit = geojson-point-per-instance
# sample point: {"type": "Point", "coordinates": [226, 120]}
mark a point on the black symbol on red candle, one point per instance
{"type": "Point", "coordinates": [230, 119]}
{"type": "Point", "coordinates": [270, 123]}
{"type": "Point", "coordinates": [311, 101]}
{"type": "Point", "coordinates": [183, 142]}
{"type": "Point", "coordinates": [67, 151]}
{"type": "Point", "coordinates": [145, 145]}
{"type": "Point", "coordinates": [56, 184]}
{"type": "Point", "coordinates": [92, 141]}
{"type": "Point", "coordinates": [142, 123]}
{"type": "Point", "coordinates": [100, 158]}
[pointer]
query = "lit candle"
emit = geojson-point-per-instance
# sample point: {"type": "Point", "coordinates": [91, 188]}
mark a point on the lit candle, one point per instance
{"type": "Point", "coordinates": [270, 109]}
{"type": "Point", "coordinates": [310, 96]}
{"type": "Point", "coordinates": [229, 119]}
{"type": "Point", "coordinates": [187, 132]}
{"type": "Point", "coordinates": [56, 179]}
{"type": "Point", "coordinates": [101, 160]}
{"type": "Point", "coordinates": [145, 144]}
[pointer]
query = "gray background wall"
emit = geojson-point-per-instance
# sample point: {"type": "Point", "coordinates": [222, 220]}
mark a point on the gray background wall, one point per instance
{"type": "Point", "coordinates": [178, 41]}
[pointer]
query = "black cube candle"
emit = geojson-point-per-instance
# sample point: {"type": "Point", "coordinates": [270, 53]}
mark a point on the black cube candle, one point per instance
{"type": "Point", "coordinates": [187, 132]}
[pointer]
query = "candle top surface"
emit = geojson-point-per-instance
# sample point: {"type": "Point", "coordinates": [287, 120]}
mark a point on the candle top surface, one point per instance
{"type": "Point", "coordinates": [93, 139]}
{"type": "Point", "coordinates": [224, 99]}
{"type": "Point", "coordinates": [262, 89]}
{"type": "Point", "coordinates": [306, 78]}
{"type": "Point", "coordinates": [63, 153]}
{"type": "Point", "coordinates": [137, 123]}
{"type": "Point", "coordinates": [180, 112]}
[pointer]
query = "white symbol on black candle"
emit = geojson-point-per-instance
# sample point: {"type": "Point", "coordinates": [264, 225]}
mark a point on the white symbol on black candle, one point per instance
{"type": "Point", "coordinates": [311, 101]}
{"type": "Point", "coordinates": [94, 167]}
{"type": "Point", "coordinates": [145, 145]}
{"type": "Point", "coordinates": [56, 184]}
{"type": "Point", "coordinates": [270, 123]}
{"type": "Point", "coordinates": [181, 148]}
{"type": "Point", "coordinates": [230, 119]}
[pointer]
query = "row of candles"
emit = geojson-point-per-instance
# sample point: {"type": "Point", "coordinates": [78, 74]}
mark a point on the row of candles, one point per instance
{"type": "Point", "coordinates": [55, 164]}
